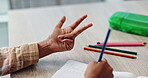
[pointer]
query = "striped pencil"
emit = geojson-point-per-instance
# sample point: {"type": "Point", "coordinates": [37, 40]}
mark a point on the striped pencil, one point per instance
{"type": "Point", "coordinates": [112, 49]}
{"type": "Point", "coordinates": [119, 44]}
{"type": "Point", "coordinates": [123, 42]}
{"type": "Point", "coordinates": [109, 52]}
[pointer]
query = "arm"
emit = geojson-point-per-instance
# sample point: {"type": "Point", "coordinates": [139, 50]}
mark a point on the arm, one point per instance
{"type": "Point", "coordinates": [62, 39]}
{"type": "Point", "coordinates": [16, 58]}
{"type": "Point", "coordinates": [99, 70]}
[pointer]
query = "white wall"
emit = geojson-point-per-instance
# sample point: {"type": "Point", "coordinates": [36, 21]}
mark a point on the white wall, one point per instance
{"type": "Point", "coordinates": [3, 34]}
{"type": "Point", "coordinates": [114, 0]}
{"type": "Point", "coordinates": [4, 6]}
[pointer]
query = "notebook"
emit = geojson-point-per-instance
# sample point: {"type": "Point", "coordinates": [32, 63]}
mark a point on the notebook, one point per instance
{"type": "Point", "coordinates": [75, 69]}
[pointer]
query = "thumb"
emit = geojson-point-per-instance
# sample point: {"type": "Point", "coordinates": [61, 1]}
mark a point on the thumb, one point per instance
{"type": "Point", "coordinates": [68, 43]}
{"type": "Point", "coordinates": [104, 60]}
{"type": "Point", "coordinates": [66, 36]}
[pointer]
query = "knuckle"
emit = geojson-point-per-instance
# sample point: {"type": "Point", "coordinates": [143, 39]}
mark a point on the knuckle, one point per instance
{"type": "Point", "coordinates": [102, 62]}
{"type": "Point", "coordinates": [85, 27]}
{"type": "Point", "coordinates": [79, 31]}
{"type": "Point", "coordinates": [112, 76]}
{"type": "Point", "coordinates": [111, 69]}
{"type": "Point", "coordinates": [62, 21]}
{"type": "Point", "coordinates": [77, 22]}
{"type": "Point", "coordinates": [81, 19]}
{"type": "Point", "coordinates": [92, 62]}
{"type": "Point", "coordinates": [74, 34]}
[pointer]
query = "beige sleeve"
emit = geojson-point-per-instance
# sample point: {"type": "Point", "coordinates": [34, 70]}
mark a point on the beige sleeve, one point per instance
{"type": "Point", "coordinates": [16, 58]}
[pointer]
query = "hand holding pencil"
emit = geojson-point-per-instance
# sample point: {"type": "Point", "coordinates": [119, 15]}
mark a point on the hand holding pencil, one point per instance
{"type": "Point", "coordinates": [99, 70]}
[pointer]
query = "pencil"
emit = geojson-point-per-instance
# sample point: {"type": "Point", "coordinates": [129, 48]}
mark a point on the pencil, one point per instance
{"type": "Point", "coordinates": [109, 52]}
{"type": "Point", "coordinates": [121, 44]}
{"type": "Point", "coordinates": [104, 45]}
{"type": "Point", "coordinates": [112, 49]}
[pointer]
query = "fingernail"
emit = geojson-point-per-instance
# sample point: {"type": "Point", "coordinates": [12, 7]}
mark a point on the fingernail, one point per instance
{"type": "Point", "coordinates": [91, 24]}
{"type": "Point", "coordinates": [61, 36]}
{"type": "Point", "coordinates": [103, 59]}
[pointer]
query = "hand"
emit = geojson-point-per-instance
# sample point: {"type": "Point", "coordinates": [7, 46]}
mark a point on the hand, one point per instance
{"type": "Point", "coordinates": [99, 70]}
{"type": "Point", "coordinates": [62, 39]}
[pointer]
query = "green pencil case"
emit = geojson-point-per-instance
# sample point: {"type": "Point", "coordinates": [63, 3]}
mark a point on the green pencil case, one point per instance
{"type": "Point", "coordinates": [130, 23]}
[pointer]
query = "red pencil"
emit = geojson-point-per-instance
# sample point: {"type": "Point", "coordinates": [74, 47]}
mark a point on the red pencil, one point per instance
{"type": "Point", "coordinates": [121, 44]}
{"type": "Point", "coordinates": [109, 52]}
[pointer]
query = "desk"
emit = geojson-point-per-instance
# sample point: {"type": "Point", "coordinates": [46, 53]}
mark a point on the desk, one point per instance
{"type": "Point", "coordinates": [34, 25]}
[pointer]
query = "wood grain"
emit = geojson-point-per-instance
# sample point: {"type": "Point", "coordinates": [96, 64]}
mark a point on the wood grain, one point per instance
{"type": "Point", "coordinates": [34, 25]}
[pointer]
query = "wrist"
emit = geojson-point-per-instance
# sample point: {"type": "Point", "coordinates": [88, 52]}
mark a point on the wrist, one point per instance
{"type": "Point", "coordinates": [44, 48]}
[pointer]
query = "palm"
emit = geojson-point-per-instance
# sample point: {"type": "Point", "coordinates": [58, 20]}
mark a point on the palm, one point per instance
{"type": "Point", "coordinates": [57, 39]}
{"type": "Point", "coordinates": [62, 39]}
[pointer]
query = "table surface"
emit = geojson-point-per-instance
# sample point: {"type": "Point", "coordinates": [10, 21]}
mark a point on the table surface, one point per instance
{"type": "Point", "coordinates": [34, 25]}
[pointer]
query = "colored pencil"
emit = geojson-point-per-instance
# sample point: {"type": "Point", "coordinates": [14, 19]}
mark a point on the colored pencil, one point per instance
{"type": "Point", "coordinates": [109, 52]}
{"type": "Point", "coordinates": [104, 45]}
{"type": "Point", "coordinates": [112, 49]}
{"type": "Point", "coordinates": [121, 44]}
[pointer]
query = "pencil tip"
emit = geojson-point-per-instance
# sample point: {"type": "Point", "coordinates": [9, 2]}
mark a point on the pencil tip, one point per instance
{"type": "Point", "coordinates": [110, 28]}
{"type": "Point", "coordinates": [144, 43]}
{"type": "Point", "coordinates": [98, 42]}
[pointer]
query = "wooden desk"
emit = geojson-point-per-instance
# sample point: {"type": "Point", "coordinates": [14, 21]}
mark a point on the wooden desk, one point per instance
{"type": "Point", "coordinates": [33, 25]}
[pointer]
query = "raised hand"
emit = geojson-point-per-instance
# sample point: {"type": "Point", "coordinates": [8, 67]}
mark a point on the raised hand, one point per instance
{"type": "Point", "coordinates": [62, 39]}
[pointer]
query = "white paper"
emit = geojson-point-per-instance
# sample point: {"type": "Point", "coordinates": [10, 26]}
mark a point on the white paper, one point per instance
{"type": "Point", "coordinates": [142, 77]}
{"type": "Point", "coordinates": [74, 69]}
{"type": "Point", "coordinates": [5, 76]}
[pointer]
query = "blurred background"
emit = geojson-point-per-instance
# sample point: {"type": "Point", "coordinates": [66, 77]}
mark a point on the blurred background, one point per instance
{"type": "Point", "coordinates": [6, 5]}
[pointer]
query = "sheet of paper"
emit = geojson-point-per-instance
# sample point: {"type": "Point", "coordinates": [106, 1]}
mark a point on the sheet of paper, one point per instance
{"type": "Point", "coordinates": [142, 77]}
{"type": "Point", "coordinates": [5, 76]}
{"type": "Point", "coordinates": [74, 69]}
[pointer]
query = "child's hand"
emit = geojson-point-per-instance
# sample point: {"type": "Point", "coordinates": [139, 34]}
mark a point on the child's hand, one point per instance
{"type": "Point", "coordinates": [99, 70]}
{"type": "Point", "coordinates": [62, 39]}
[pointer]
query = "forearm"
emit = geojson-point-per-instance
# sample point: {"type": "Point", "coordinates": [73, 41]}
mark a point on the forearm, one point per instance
{"type": "Point", "coordinates": [44, 48]}
{"type": "Point", "coordinates": [16, 58]}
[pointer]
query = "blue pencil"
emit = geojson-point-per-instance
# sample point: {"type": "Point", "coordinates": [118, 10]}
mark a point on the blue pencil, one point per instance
{"type": "Point", "coordinates": [104, 45]}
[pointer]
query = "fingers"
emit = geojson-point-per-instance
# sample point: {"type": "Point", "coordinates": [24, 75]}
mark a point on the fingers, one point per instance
{"type": "Point", "coordinates": [104, 60]}
{"type": "Point", "coordinates": [66, 36]}
{"type": "Point", "coordinates": [75, 33]}
{"type": "Point", "coordinates": [107, 64]}
{"type": "Point", "coordinates": [68, 43]}
{"type": "Point", "coordinates": [80, 30]}
{"type": "Point", "coordinates": [77, 22]}
{"type": "Point", "coordinates": [61, 22]}
{"type": "Point", "coordinates": [92, 62]}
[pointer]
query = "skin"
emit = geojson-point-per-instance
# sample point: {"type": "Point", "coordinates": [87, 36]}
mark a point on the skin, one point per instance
{"type": "Point", "coordinates": [62, 39]}
{"type": "Point", "coordinates": [99, 70]}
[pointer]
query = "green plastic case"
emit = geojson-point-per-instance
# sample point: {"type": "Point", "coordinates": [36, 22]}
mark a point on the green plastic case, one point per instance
{"type": "Point", "coordinates": [130, 23]}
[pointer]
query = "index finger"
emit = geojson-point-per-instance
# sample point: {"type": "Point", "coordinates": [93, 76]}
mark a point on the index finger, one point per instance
{"type": "Point", "coordinates": [77, 22]}
{"type": "Point", "coordinates": [61, 22]}
{"type": "Point", "coordinates": [80, 30]}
